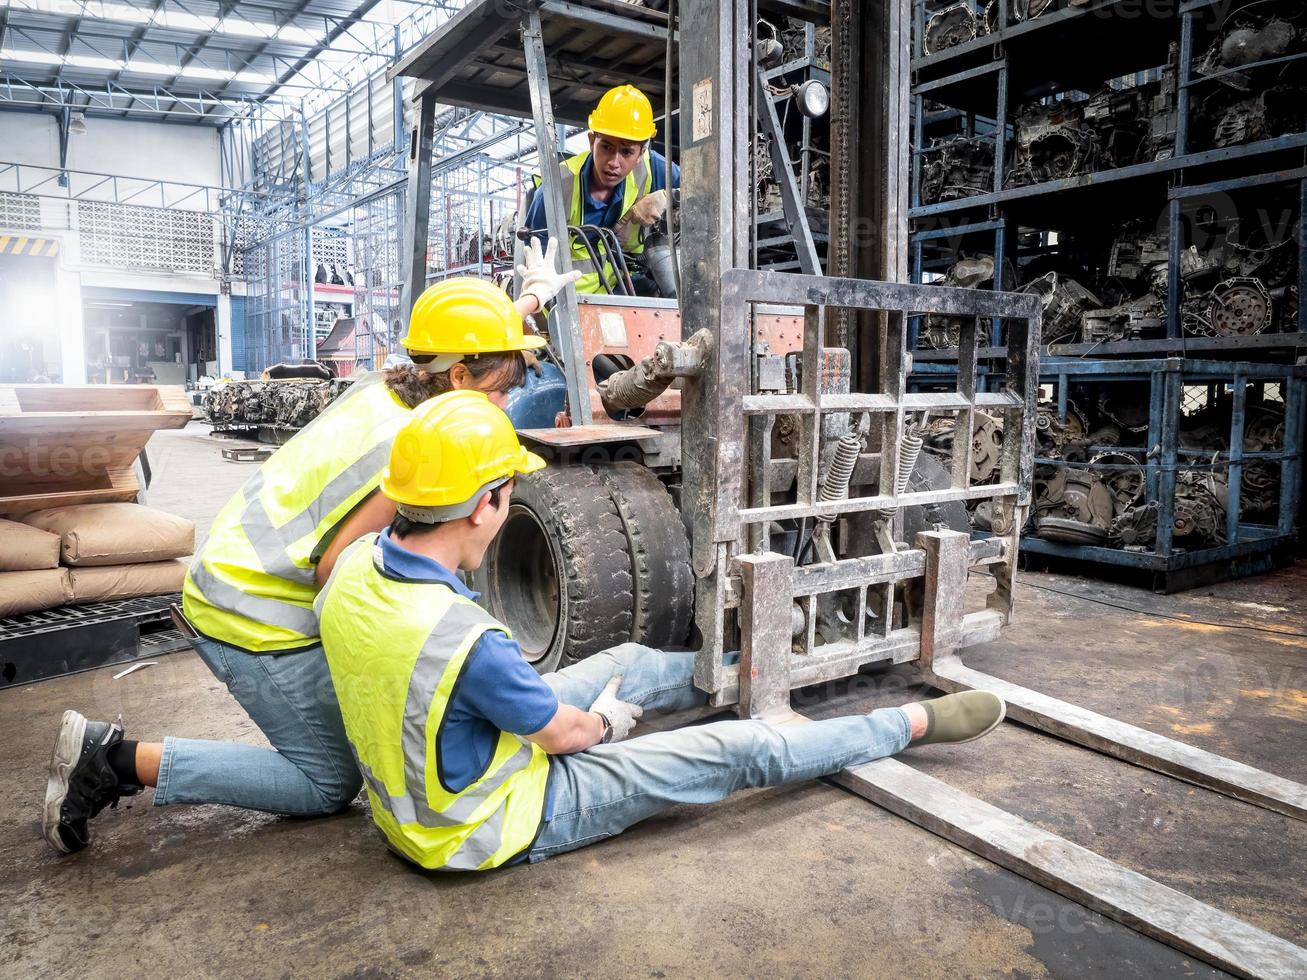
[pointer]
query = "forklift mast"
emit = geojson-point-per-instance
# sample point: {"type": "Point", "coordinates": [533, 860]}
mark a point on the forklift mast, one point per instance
{"type": "Point", "coordinates": [780, 418]}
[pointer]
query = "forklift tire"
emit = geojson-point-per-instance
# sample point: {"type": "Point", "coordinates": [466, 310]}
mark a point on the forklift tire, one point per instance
{"type": "Point", "coordinates": [559, 572]}
{"type": "Point", "coordinates": [663, 592]}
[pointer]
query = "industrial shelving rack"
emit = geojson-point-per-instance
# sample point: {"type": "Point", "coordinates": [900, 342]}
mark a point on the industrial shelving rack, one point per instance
{"type": "Point", "coordinates": [1080, 48]}
{"type": "Point", "coordinates": [1250, 545]}
{"type": "Point", "coordinates": [973, 90]}
{"type": "Point", "coordinates": [808, 145]}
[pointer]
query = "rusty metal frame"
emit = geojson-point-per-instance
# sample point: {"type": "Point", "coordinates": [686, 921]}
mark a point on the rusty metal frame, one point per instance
{"type": "Point", "coordinates": [745, 478]}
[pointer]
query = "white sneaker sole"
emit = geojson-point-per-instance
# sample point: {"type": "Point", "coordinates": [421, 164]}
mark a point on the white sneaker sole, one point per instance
{"type": "Point", "coordinates": [67, 752]}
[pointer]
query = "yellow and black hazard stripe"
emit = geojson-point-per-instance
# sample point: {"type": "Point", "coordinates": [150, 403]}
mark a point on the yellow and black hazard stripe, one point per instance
{"type": "Point", "coordinates": [23, 245]}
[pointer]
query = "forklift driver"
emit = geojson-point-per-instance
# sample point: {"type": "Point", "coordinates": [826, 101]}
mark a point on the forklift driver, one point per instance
{"type": "Point", "coordinates": [620, 183]}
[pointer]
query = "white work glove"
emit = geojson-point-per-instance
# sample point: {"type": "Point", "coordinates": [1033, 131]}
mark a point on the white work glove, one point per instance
{"type": "Point", "coordinates": [621, 715]}
{"type": "Point", "coordinates": [540, 275]}
{"type": "Point", "coordinates": [650, 208]}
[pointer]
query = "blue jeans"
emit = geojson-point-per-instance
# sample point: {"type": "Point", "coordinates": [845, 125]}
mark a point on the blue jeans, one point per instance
{"type": "Point", "coordinates": [290, 697]}
{"type": "Point", "coordinates": [602, 791]}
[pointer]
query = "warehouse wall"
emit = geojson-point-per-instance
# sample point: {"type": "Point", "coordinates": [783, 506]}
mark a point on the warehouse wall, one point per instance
{"type": "Point", "coordinates": [134, 246]}
{"type": "Point", "coordinates": [114, 146]}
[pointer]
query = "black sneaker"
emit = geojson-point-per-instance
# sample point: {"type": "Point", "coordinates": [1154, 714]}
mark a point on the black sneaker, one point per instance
{"type": "Point", "coordinates": [82, 783]}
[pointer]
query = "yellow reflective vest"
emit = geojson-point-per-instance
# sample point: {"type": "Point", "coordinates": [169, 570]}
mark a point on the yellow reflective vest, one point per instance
{"type": "Point", "coordinates": [251, 585]}
{"type": "Point", "coordinates": [396, 649]}
{"type": "Point", "coordinates": [638, 184]}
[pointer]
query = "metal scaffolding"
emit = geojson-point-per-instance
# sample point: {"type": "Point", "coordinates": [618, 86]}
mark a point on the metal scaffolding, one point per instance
{"type": "Point", "coordinates": [323, 183]}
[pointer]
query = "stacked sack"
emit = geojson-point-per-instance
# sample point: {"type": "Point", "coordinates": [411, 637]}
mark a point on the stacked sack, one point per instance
{"type": "Point", "coordinates": [91, 553]}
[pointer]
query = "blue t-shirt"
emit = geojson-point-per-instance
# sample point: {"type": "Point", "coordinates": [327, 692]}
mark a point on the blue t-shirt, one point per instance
{"type": "Point", "coordinates": [498, 691]}
{"type": "Point", "coordinates": [603, 213]}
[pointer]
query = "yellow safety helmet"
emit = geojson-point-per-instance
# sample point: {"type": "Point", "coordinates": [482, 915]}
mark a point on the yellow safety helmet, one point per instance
{"type": "Point", "coordinates": [454, 448]}
{"type": "Point", "coordinates": [624, 112]}
{"type": "Point", "coordinates": [464, 315]}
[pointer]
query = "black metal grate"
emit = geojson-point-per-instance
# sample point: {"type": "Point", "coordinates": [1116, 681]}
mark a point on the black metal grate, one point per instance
{"type": "Point", "coordinates": [35, 624]}
{"type": "Point", "coordinates": [160, 642]}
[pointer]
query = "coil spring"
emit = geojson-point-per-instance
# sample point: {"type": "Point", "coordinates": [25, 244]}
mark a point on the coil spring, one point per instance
{"type": "Point", "coordinates": [840, 474]}
{"type": "Point", "coordinates": [909, 451]}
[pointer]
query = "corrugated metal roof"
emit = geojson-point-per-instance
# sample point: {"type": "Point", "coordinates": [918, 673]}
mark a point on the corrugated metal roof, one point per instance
{"type": "Point", "coordinates": [180, 60]}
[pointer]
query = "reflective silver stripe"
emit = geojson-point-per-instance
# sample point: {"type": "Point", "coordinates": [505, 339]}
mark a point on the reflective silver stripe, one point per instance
{"type": "Point", "coordinates": [641, 172]}
{"type": "Point", "coordinates": [407, 810]}
{"type": "Point", "coordinates": [449, 634]}
{"type": "Point", "coordinates": [481, 843]}
{"type": "Point", "coordinates": [272, 612]}
{"type": "Point", "coordinates": [272, 543]}
{"type": "Point", "coordinates": [401, 807]}
{"type": "Point", "coordinates": [569, 182]}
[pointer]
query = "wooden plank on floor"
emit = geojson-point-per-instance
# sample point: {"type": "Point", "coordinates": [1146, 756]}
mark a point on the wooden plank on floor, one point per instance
{"type": "Point", "coordinates": [1127, 742]}
{"type": "Point", "coordinates": [1076, 873]}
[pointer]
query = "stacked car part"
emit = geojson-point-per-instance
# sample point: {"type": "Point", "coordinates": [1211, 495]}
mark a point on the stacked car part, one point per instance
{"type": "Point", "coordinates": [1144, 177]}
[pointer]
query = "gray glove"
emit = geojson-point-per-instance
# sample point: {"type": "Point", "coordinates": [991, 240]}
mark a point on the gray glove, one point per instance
{"type": "Point", "coordinates": [540, 275]}
{"type": "Point", "coordinates": [621, 715]}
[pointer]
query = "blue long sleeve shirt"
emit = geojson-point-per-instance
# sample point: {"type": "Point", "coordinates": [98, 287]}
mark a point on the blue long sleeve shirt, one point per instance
{"type": "Point", "coordinates": [499, 691]}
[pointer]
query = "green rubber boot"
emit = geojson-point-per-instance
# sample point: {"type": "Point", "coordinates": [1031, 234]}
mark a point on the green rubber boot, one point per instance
{"type": "Point", "coordinates": [961, 717]}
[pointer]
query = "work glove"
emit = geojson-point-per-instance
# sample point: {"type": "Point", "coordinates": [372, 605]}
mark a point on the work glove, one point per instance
{"type": "Point", "coordinates": [621, 715]}
{"type": "Point", "coordinates": [650, 208]}
{"type": "Point", "coordinates": [540, 275]}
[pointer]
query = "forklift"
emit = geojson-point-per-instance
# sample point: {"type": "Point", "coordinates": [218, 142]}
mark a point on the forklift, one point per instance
{"type": "Point", "coordinates": [739, 467]}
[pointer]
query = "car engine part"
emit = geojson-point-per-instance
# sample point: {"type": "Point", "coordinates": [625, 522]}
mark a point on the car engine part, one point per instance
{"type": "Point", "coordinates": [1065, 303]}
{"type": "Point", "coordinates": [952, 26]}
{"type": "Point", "coordinates": [291, 403]}
{"type": "Point", "coordinates": [1052, 143]}
{"type": "Point", "coordinates": [986, 444]}
{"type": "Point", "coordinates": [1075, 507]}
{"type": "Point", "coordinates": [957, 168]}
{"type": "Point", "coordinates": [1125, 479]}
{"type": "Point", "coordinates": [1240, 308]}
{"type": "Point", "coordinates": [943, 332]}
{"type": "Point", "coordinates": [1143, 317]}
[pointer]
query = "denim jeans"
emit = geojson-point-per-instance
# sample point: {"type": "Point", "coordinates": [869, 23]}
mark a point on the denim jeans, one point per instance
{"type": "Point", "coordinates": [602, 791]}
{"type": "Point", "coordinates": [290, 697]}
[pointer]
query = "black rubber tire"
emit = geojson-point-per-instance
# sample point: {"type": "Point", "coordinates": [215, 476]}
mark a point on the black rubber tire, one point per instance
{"type": "Point", "coordinates": [559, 572]}
{"type": "Point", "coordinates": [663, 592]}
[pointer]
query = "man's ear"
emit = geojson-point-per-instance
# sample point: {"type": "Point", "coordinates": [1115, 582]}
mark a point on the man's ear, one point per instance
{"type": "Point", "coordinates": [459, 376]}
{"type": "Point", "coordinates": [479, 513]}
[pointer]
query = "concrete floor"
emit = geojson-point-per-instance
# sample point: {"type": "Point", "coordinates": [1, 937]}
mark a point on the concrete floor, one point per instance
{"type": "Point", "coordinates": [801, 881]}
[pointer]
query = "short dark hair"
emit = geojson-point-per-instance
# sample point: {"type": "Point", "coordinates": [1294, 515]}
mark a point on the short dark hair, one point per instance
{"type": "Point", "coordinates": [402, 527]}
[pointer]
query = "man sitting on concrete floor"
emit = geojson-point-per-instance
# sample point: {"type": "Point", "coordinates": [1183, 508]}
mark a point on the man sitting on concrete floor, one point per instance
{"type": "Point", "coordinates": [471, 759]}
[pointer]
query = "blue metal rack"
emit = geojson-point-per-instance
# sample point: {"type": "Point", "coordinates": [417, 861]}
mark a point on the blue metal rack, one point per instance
{"type": "Point", "coordinates": [1071, 49]}
{"type": "Point", "coordinates": [1248, 548]}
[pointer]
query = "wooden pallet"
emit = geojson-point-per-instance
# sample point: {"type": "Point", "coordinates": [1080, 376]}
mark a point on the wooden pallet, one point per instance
{"type": "Point", "coordinates": [75, 444]}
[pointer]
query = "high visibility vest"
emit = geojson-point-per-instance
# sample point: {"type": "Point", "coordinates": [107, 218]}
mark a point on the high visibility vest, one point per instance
{"type": "Point", "coordinates": [638, 184]}
{"type": "Point", "coordinates": [396, 649]}
{"type": "Point", "coordinates": [251, 585]}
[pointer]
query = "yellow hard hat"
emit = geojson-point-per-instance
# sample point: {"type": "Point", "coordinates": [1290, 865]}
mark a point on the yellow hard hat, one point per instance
{"type": "Point", "coordinates": [464, 315]}
{"type": "Point", "coordinates": [453, 448]}
{"type": "Point", "coordinates": [624, 112]}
